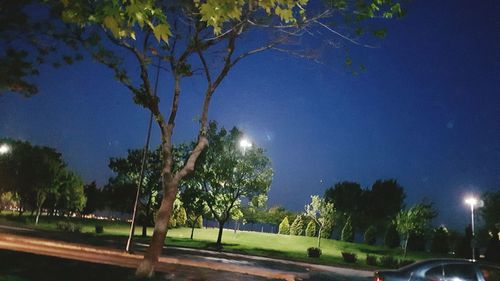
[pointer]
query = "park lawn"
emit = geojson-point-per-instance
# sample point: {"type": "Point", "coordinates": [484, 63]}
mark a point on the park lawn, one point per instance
{"type": "Point", "coordinates": [245, 242]}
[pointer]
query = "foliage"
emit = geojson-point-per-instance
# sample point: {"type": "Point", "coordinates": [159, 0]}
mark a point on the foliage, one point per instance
{"type": "Point", "coordinates": [95, 200]}
{"type": "Point", "coordinates": [180, 217]}
{"type": "Point", "coordinates": [284, 227]}
{"type": "Point", "coordinates": [415, 220]}
{"type": "Point", "coordinates": [227, 175]}
{"type": "Point", "coordinates": [347, 198]}
{"type": "Point", "coordinates": [388, 262]}
{"type": "Point", "coordinates": [320, 212]}
{"type": "Point", "coordinates": [347, 231]}
{"type": "Point", "coordinates": [314, 252]}
{"type": "Point", "coordinates": [490, 212]}
{"type": "Point", "coordinates": [8, 201]}
{"type": "Point", "coordinates": [349, 257]}
{"type": "Point", "coordinates": [391, 238]}
{"type": "Point", "coordinates": [383, 202]}
{"type": "Point", "coordinates": [370, 236]}
{"type": "Point", "coordinates": [297, 227]}
{"type": "Point", "coordinates": [371, 260]}
{"type": "Point", "coordinates": [311, 229]}
{"type": "Point", "coordinates": [68, 227]}
{"type": "Point", "coordinates": [404, 262]}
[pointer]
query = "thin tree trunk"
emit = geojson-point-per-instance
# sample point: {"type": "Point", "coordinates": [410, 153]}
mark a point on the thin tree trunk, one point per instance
{"type": "Point", "coordinates": [192, 230]}
{"type": "Point", "coordinates": [219, 236]}
{"type": "Point", "coordinates": [319, 237]}
{"type": "Point", "coordinates": [146, 267]}
{"type": "Point", "coordinates": [38, 211]}
{"type": "Point", "coordinates": [144, 230]}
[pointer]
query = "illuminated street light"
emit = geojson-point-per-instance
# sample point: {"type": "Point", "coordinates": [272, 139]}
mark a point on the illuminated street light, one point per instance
{"type": "Point", "coordinates": [472, 201]}
{"type": "Point", "coordinates": [4, 148]}
{"type": "Point", "coordinates": [244, 144]}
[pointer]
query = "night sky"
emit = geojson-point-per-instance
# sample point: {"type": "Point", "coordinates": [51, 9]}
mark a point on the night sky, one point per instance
{"type": "Point", "coordinates": [426, 112]}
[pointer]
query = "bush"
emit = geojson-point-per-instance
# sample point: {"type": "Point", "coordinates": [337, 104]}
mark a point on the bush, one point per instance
{"type": "Point", "coordinates": [391, 238]}
{"type": "Point", "coordinates": [199, 222]}
{"type": "Point", "coordinates": [371, 260]}
{"type": "Point", "coordinates": [347, 232]}
{"type": "Point", "coordinates": [68, 227]}
{"type": "Point", "coordinates": [313, 252]}
{"type": "Point", "coordinates": [370, 236]}
{"type": "Point", "coordinates": [284, 227]}
{"type": "Point", "coordinates": [99, 228]}
{"type": "Point", "coordinates": [326, 232]}
{"type": "Point", "coordinates": [311, 229]}
{"type": "Point", "coordinates": [297, 227]}
{"type": "Point", "coordinates": [388, 262]}
{"type": "Point", "coordinates": [405, 262]}
{"type": "Point", "coordinates": [349, 257]}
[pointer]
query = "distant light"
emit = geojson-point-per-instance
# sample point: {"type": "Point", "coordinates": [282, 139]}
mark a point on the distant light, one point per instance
{"type": "Point", "coordinates": [472, 201]}
{"type": "Point", "coordinates": [4, 148]}
{"type": "Point", "coordinates": [245, 143]}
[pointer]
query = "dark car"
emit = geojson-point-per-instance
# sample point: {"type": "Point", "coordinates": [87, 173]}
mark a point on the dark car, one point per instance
{"type": "Point", "coordinates": [442, 270]}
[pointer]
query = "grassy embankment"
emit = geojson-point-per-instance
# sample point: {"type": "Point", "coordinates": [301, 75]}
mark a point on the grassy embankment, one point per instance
{"type": "Point", "coordinates": [254, 243]}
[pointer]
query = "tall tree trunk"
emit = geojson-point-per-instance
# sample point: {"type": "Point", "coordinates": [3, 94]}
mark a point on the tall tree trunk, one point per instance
{"type": "Point", "coordinates": [146, 267]}
{"type": "Point", "coordinates": [144, 230]}
{"type": "Point", "coordinates": [219, 236]}
{"type": "Point", "coordinates": [38, 211]}
{"type": "Point", "coordinates": [192, 230]}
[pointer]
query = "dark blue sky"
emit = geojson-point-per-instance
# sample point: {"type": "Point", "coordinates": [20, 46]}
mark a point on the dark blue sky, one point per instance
{"type": "Point", "coordinates": [425, 112]}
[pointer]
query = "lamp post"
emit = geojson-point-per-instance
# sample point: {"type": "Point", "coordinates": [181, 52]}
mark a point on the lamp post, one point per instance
{"type": "Point", "coordinates": [4, 148]}
{"type": "Point", "coordinates": [472, 201]}
{"type": "Point", "coordinates": [244, 144]}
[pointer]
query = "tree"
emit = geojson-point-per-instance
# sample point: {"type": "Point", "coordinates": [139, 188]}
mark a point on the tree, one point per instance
{"type": "Point", "coordinates": [284, 227]}
{"type": "Point", "coordinates": [391, 238]}
{"type": "Point", "coordinates": [191, 195]}
{"type": "Point", "coordinates": [440, 240]}
{"type": "Point", "coordinates": [320, 212]}
{"type": "Point", "coordinates": [148, 30]}
{"type": "Point", "coordinates": [70, 193]}
{"type": "Point", "coordinates": [121, 189]}
{"type": "Point", "coordinates": [297, 227]}
{"type": "Point", "coordinates": [490, 212]}
{"type": "Point", "coordinates": [95, 200]}
{"type": "Point", "coordinates": [370, 235]}
{"type": "Point", "coordinates": [229, 175]}
{"type": "Point", "coordinates": [347, 198]}
{"type": "Point", "coordinates": [415, 220]}
{"type": "Point", "coordinates": [311, 229]}
{"type": "Point", "coordinates": [347, 231]}
{"type": "Point", "coordinates": [383, 202]}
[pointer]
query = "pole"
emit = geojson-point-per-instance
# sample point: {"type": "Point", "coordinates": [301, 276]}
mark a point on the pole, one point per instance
{"type": "Point", "coordinates": [473, 242]}
{"type": "Point", "coordinates": [143, 164]}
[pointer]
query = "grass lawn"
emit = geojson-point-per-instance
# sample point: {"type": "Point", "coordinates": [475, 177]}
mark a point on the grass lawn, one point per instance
{"type": "Point", "coordinates": [254, 243]}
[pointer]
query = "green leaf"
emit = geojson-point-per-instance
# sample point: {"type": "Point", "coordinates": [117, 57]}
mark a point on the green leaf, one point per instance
{"type": "Point", "coordinates": [162, 32]}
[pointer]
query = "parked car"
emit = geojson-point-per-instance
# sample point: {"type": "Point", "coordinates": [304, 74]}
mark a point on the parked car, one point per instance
{"type": "Point", "coordinates": [442, 270]}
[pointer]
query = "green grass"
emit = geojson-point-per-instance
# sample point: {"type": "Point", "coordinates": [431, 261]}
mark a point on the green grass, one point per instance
{"type": "Point", "coordinates": [254, 243]}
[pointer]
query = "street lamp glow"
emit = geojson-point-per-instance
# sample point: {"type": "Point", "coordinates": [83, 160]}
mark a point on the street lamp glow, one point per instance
{"type": "Point", "coordinates": [4, 148]}
{"type": "Point", "coordinates": [472, 201]}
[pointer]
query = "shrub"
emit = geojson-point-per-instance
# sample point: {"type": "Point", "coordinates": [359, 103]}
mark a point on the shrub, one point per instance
{"type": "Point", "coordinates": [347, 232]}
{"type": "Point", "coordinates": [391, 238]}
{"type": "Point", "coordinates": [297, 227]}
{"type": "Point", "coordinates": [311, 229]}
{"type": "Point", "coordinates": [180, 217]}
{"type": "Point", "coordinates": [371, 260]}
{"type": "Point", "coordinates": [370, 236]}
{"type": "Point", "coordinates": [284, 227]}
{"type": "Point", "coordinates": [313, 252]}
{"type": "Point", "coordinates": [68, 227]}
{"type": "Point", "coordinates": [349, 257]}
{"type": "Point", "coordinates": [172, 222]}
{"type": "Point", "coordinates": [388, 262]}
{"type": "Point", "coordinates": [199, 222]}
{"type": "Point", "coordinates": [405, 262]}
{"type": "Point", "coordinates": [326, 232]}
{"type": "Point", "coordinates": [99, 228]}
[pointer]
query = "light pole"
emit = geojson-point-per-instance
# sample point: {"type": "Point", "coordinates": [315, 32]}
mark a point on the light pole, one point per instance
{"type": "Point", "coordinates": [4, 148]}
{"type": "Point", "coordinates": [244, 144]}
{"type": "Point", "coordinates": [472, 201]}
